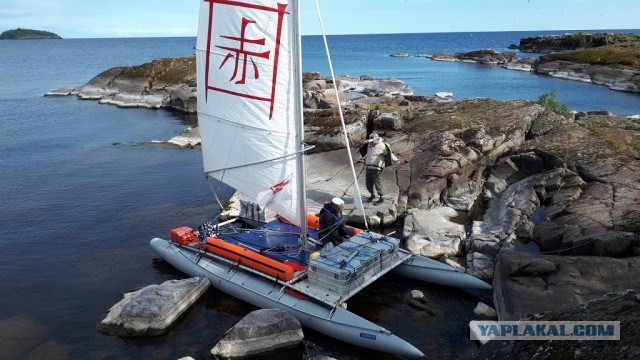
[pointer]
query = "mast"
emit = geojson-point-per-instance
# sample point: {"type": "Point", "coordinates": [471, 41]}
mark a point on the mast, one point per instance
{"type": "Point", "coordinates": [297, 81]}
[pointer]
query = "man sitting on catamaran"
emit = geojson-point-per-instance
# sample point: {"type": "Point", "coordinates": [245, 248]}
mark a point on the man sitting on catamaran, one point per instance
{"type": "Point", "coordinates": [332, 227]}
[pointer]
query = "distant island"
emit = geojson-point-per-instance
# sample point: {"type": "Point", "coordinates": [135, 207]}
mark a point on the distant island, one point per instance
{"type": "Point", "coordinates": [27, 34]}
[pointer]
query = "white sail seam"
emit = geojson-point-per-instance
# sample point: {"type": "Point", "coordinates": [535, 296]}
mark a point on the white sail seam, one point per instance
{"type": "Point", "coordinates": [263, 161]}
{"type": "Point", "coordinates": [244, 126]}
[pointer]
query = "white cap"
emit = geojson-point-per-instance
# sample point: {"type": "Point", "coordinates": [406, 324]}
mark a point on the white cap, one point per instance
{"type": "Point", "coordinates": [337, 202]}
{"type": "Point", "coordinates": [373, 136]}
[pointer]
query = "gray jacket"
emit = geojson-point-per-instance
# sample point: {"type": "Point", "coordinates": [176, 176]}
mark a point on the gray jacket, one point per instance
{"type": "Point", "coordinates": [375, 155]}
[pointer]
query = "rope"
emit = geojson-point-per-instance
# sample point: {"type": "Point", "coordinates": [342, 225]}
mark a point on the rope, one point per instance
{"type": "Point", "coordinates": [569, 248]}
{"type": "Point", "coordinates": [215, 194]}
{"type": "Point", "coordinates": [333, 227]}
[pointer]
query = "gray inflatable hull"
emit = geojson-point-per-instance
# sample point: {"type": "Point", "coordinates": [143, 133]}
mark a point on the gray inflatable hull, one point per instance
{"type": "Point", "coordinates": [433, 271]}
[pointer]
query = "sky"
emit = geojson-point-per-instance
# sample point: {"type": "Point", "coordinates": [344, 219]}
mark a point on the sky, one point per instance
{"type": "Point", "coordinates": [161, 18]}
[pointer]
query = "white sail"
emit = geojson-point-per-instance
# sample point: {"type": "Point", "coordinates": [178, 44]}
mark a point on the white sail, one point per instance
{"type": "Point", "coordinates": [246, 54]}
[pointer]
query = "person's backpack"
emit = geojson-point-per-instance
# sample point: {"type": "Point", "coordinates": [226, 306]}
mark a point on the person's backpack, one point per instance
{"type": "Point", "coordinates": [363, 149]}
{"type": "Point", "coordinates": [389, 158]}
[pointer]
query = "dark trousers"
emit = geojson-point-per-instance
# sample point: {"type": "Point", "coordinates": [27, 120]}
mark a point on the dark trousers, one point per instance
{"type": "Point", "coordinates": [373, 179]}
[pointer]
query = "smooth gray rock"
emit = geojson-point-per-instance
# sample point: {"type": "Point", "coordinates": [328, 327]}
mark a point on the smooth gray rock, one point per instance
{"type": "Point", "coordinates": [503, 173]}
{"type": "Point", "coordinates": [417, 295]}
{"type": "Point", "coordinates": [506, 213]}
{"type": "Point", "coordinates": [59, 92]}
{"type": "Point", "coordinates": [189, 137]}
{"type": "Point", "coordinates": [523, 64]}
{"type": "Point", "coordinates": [152, 309]}
{"type": "Point", "coordinates": [260, 333]}
{"type": "Point", "coordinates": [487, 57]}
{"type": "Point", "coordinates": [324, 99]}
{"type": "Point", "coordinates": [442, 57]}
{"type": "Point", "coordinates": [588, 226]}
{"type": "Point", "coordinates": [480, 265]}
{"type": "Point", "coordinates": [431, 233]}
{"type": "Point", "coordinates": [546, 123]}
{"type": "Point", "coordinates": [484, 311]}
{"type": "Point", "coordinates": [526, 284]}
{"type": "Point", "coordinates": [384, 87]}
{"type": "Point", "coordinates": [509, 213]}
{"type": "Point", "coordinates": [388, 121]}
{"type": "Point", "coordinates": [311, 85]}
{"type": "Point", "coordinates": [448, 166]}
{"type": "Point", "coordinates": [326, 139]}
{"type": "Point", "coordinates": [615, 77]}
{"type": "Point", "coordinates": [122, 87]}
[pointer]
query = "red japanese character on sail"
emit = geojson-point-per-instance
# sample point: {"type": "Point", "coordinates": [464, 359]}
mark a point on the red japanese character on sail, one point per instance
{"type": "Point", "coordinates": [243, 56]}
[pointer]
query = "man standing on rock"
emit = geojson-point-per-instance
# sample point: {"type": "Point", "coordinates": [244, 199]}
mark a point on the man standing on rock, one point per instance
{"type": "Point", "coordinates": [374, 161]}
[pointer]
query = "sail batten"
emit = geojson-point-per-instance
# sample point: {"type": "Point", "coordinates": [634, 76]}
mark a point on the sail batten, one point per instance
{"type": "Point", "coordinates": [210, 172]}
{"type": "Point", "coordinates": [247, 94]}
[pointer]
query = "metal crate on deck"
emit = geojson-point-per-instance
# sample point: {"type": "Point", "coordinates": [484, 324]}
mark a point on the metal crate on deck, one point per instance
{"type": "Point", "coordinates": [351, 263]}
{"type": "Point", "coordinates": [386, 248]}
{"type": "Point", "coordinates": [251, 210]}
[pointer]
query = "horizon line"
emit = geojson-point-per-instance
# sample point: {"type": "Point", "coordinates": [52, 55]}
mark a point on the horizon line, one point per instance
{"type": "Point", "coordinates": [364, 34]}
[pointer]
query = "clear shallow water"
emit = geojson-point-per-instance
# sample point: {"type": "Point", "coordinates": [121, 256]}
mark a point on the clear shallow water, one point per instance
{"type": "Point", "coordinates": [82, 191]}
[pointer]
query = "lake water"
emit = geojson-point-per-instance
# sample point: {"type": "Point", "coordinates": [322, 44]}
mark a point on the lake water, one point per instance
{"type": "Point", "coordinates": [82, 192]}
{"type": "Point", "coordinates": [357, 55]}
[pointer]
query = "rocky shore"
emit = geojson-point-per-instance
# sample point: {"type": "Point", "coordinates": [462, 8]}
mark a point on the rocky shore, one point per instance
{"type": "Point", "coordinates": [571, 186]}
{"type": "Point", "coordinates": [577, 41]}
{"type": "Point", "coordinates": [622, 306]}
{"type": "Point", "coordinates": [170, 83]}
{"type": "Point", "coordinates": [602, 59]}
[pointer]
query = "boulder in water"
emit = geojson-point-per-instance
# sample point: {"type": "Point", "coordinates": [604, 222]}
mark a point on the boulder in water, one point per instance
{"type": "Point", "coordinates": [152, 309]}
{"type": "Point", "coordinates": [262, 332]}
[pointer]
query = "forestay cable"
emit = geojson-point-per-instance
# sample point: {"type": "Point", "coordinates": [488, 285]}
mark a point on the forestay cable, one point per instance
{"type": "Point", "coordinates": [357, 198]}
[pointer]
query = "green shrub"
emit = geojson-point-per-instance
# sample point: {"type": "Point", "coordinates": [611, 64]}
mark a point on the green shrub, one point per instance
{"type": "Point", "coordinates": [408, 117]}
{"type": "Point", "coordinates": [551, 103]}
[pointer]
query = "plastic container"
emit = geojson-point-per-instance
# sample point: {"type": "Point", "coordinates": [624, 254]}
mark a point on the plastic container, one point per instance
{"type": "Point", "coordinates": [184, 235]}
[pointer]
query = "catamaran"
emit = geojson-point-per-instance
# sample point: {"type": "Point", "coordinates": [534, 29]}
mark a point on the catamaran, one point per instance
{"type": "Point", "coordinates": [250, 117]}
